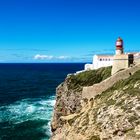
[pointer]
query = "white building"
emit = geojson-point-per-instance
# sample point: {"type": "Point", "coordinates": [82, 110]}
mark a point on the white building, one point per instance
{"type": "Point", "coordinates": [100, 61]}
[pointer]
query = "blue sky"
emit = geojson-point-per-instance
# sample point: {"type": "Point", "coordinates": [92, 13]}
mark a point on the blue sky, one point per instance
{"type": "Point", "coordinates": [66, 30]}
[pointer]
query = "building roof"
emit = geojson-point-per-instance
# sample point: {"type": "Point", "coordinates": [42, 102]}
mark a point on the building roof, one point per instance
{"type": "Point", "coordinates": [105, 56]}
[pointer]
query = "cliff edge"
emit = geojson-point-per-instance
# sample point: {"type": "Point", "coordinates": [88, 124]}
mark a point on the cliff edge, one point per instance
{"type": "Point", "coordinates": [112, 115]}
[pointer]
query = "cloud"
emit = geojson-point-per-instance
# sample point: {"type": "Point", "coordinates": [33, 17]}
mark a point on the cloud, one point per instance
{"type": "Point", "coordinates": [50, 57]}
{"type": "Point", "coordinates": [63, 57]}
{"type": "Point", "coordinates": [43, 57]}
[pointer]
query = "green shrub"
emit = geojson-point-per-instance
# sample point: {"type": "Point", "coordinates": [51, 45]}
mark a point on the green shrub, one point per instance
{"type": "Point", "coordinates": [89, 78]}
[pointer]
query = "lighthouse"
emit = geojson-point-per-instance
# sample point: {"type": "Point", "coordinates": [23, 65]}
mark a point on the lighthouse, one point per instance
{"type": "Point", "coordinates": [119, 46]}
{"type": "Point", "coordinates": [121, 60]}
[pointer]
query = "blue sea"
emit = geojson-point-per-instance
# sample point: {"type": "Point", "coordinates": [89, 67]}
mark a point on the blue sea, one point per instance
{"type": "Point", "coordinates": [27, 98]}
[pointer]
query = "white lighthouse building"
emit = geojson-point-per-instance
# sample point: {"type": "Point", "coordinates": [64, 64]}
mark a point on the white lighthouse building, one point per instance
{"type": "Point", "coordinates": [118, 61]}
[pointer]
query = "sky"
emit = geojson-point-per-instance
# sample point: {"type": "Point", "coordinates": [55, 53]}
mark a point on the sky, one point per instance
{"type": "Point", "coordinates": [66, 30]}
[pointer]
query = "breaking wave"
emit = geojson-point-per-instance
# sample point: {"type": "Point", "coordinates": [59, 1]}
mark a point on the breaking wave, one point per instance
{"type": "Point", "coordinates": [27, 119]}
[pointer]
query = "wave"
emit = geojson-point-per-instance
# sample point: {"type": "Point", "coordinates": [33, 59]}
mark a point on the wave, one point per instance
{"type": "Point", "coordinates": [25, 118]}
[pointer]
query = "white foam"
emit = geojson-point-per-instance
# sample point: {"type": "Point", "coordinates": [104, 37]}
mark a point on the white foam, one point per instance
{"type": "Point", "coordinates": [51, 101]}
{"type": "Point", "coordinates": [28, 109]}
{"type": "Point", "coordinates": [47, 129]}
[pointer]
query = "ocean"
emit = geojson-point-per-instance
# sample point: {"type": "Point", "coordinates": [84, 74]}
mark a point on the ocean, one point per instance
{"type": "Point", "coordinates": [27, 98]}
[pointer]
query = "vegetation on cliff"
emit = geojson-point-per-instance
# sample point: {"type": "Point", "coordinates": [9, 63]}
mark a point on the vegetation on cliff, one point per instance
{"type": "Point", "coordinates": [88, 78]}
{"type": "Point", "coordinates": [128, 86]}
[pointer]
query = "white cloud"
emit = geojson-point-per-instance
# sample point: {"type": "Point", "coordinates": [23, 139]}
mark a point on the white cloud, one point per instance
{"type": "Point", "coordinates": [63, 57]}
{"type": "Point", "coordinates": [50, 57]}
{"type": "Point", "coordinates": [42, 57]}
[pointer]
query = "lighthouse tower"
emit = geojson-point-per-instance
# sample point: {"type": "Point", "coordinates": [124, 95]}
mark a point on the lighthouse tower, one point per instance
{"type": "Point", "coordinates": [121, 61]}
{"type": "Point", "coordinates": [119, 46]}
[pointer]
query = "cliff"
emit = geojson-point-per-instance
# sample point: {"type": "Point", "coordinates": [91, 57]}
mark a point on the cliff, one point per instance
{"type": "Point", "coordinates": [112, 115]}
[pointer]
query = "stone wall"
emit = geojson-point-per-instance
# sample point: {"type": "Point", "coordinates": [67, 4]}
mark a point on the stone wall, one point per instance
{"type": "Point", "coordinates": [92, 91]}
{"type": "Point", "coordinates": [137, 60]}
{"type": "Point", "coordinates": [120, 62]}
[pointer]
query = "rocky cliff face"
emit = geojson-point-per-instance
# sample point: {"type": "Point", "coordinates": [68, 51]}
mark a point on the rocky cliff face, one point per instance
{"type": "Point", "coordinates": [112, 115]}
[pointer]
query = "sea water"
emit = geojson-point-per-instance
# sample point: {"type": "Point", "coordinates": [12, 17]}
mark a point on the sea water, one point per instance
{"type": "Point", "coordinates": [27, 98]}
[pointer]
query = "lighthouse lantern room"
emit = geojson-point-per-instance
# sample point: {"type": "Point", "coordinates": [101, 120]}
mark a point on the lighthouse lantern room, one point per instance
{"type": "Point", "coordinates": [119, 46]}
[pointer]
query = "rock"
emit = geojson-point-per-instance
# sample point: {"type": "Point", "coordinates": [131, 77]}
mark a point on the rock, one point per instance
{"type": "Point", "coordinates": [112, 115]}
